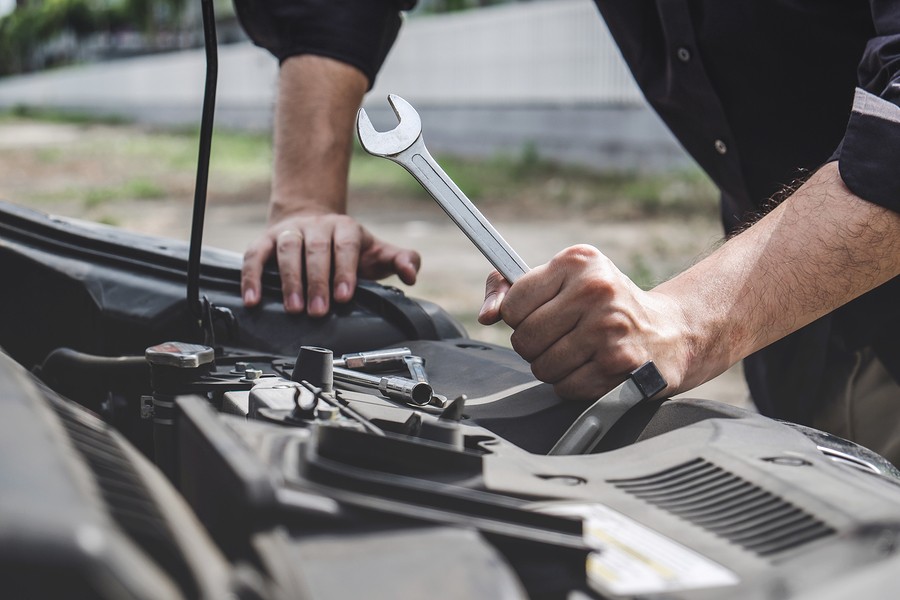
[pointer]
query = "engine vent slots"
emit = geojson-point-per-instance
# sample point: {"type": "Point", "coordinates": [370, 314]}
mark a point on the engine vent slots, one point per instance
{"type": "Point", "coordinates": [125, 494]}
{"type": "Point", "coordinates": [728, 506]}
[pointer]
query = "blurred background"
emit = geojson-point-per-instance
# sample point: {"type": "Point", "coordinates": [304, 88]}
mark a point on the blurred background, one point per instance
{"type": "Point", "coordinates": [526, 104]}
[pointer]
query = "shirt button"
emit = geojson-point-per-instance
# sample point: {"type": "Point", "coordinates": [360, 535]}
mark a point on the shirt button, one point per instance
{"type": "Point", "coordinates": [683, 54]}
{"type": "Point", "coordinates": [720, 147]}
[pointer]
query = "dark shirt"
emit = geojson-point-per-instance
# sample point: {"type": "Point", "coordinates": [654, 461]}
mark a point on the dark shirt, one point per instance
{"type": "Point", "coordinates": [759, 92]}
{"type": "Point", "coordinates": [357, 32]}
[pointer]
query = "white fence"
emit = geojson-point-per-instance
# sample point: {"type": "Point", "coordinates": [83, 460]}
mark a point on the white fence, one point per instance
{"type": "Point", "coordinates": [552, 52]}
{"type": "Point", "coordinates": [544, 75]}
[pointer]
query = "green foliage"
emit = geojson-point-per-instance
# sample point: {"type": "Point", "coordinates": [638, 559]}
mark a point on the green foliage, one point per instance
{"type": "Point", "coordinates": [640, 272]}
{"type": "Point", "coordinates": [143, 189]}
{"type": "Point", "coordinates": [109, 220]}
{"type": "Point", "coordinates": [242, 156]}
{"type": "Point", "coordinates": [134, 189]}
{"type": "Point", "coordinates": [53, 115]}
{"type": "Point", "coordinates": [35, 24]}
{"type": "Point", "coordinates": [93, 197]}
{"type": "Point", "coordinates": [527, 181]}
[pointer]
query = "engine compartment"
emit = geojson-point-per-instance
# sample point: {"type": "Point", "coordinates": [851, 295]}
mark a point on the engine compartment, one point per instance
{"type": "Point", "coordinates": [202, 468]}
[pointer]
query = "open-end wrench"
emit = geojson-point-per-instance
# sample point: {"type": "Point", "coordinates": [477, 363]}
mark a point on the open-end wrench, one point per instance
{"type": "Point", "coordinates": [594, 423]}
{"type": "Point", "coordinates": [404, 146]}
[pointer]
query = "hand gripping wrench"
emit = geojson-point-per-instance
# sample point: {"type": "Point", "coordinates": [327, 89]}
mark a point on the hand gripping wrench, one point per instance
{"type": "Point", "coordinates": [404, 146]}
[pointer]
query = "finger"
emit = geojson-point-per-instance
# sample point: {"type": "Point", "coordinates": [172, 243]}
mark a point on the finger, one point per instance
{"type": "Point", "coordinates": [548, 324]}
{"type": "Point", "coordinates": [379, 260]}
{"type": "Point", "coordinates": [609, 352]}
{"type": "Point", "coordinates": [532, 290]}
{"type": "Point", "coordinates": [543, 283]}
{"type": "Point", "coordinates": [561, 359]}
{"type": "Point", "coordinates": [406, 265]}
{"type": "Point", "coordinates": [251, 270]}
{"type": "Point", "coordinates": [347, 243]}
{"type": "Point", "coordinates": [289, 250]}
{"type": "Point", "coordinates": [495, 288]}
{"type": "Point", "coordinates": [318, 247]}
{"type": "Point", "coordinates": [587, 383]}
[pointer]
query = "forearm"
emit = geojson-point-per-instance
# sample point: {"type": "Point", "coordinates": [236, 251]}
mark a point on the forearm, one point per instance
{"type": "Point", "coordinates": [315, 110]}
{"type": "Point", "coordinates": [330, 52]}
{"type": "Point", "coordinates": [816, 251]}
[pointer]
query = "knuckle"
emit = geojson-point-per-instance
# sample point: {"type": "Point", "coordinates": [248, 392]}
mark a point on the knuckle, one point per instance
{"type": "Point", "coordinates": [253, 254]}
{"type": "Point", "coordinates": [494, 279]}
{"type": "Point", "coordinates": [515, 340]}
{"type": "Point", "coordinates": [345, 220]}
{"type": "Point", "coordinates": [599, 287]}
{"type": "Point", "coordinates": [579, 254]}
{"type": "Point", "coordinates": [521, 346]}
{"type": "Point", "coordinates": [540, 371]}
{"type": "Point", "coordinates": [317, 282]}
{"type": "Point", "coordinates": [286, 244]}
{"type": "Point", "coordinates": [318, 246]}
{"type": "Point", "coordinates": [290, 279]}
{"type": "Point", "coordinates": [347, 245]}
{"type": "Point", "coordinates": [511, 318]}
{"type": "Point", "coordinates": [616, 327]}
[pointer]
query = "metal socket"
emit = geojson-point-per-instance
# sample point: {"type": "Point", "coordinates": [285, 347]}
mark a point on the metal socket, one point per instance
{"type": "Point", "coordinates": [376, 359]}
{"type": "Point", "coordinates": [396, 388]}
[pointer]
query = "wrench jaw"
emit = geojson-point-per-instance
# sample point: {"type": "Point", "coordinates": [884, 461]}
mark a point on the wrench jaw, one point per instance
{"type": "Point", "coordinates": [390, 143]}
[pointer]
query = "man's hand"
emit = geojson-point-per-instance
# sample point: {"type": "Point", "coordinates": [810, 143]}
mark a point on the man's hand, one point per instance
{"type": "Point", "coordinates": [308, 230]}
{"type": "Point", "coordinates": [584, 326]}
{"type": "Point", "coordinates": [310, 245]}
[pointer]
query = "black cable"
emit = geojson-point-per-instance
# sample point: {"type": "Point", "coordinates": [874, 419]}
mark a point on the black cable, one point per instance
{"type": "Point", "coordinates": [206, 132]}
{"type": "Point", "coordinates": [343, 409]}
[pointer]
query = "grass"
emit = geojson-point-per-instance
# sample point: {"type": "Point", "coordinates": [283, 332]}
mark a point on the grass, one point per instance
{"type": "Point", "coordinates": [95, 196]}
{"type": "Point", "coordinates": [133, 189]}
{"type": "Point", "coordinates": [52, 115]}
{"type": "Point", "coordinates": [522, 182]}
{"type": "Point", "coordinates": [239, 157]}
{"type": "Point", "coordinates": [49, 156]}
{"type": "Point", "coordinates": [528, 182]}
{"type": "Point", "coordinates": [640, 271]}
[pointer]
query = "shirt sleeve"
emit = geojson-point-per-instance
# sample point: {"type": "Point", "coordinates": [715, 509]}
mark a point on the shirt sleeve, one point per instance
{"type": "Point", "coordinates": [868, 155]}
{"type": "Point", "coordinates": [357, 32]}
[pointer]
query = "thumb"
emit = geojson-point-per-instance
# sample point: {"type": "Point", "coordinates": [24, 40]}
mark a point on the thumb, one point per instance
{"type": "Point", "coordinates": [495, 289]}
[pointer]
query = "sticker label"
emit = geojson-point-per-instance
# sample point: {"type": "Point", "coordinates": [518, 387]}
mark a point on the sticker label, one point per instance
{"type": "Point", "coordinates": [633, 559]}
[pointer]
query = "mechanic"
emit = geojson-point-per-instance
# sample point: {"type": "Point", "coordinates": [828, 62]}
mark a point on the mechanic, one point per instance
{"type": "Point", "coordinates": [761, 93]}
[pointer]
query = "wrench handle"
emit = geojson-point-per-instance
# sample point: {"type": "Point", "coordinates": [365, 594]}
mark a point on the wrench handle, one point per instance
{"type": "Point", "coordinates": [460, 209]}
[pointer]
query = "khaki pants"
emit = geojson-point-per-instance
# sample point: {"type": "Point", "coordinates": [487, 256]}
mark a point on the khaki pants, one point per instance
{"type": "Point", "coordinates": [863, 405]}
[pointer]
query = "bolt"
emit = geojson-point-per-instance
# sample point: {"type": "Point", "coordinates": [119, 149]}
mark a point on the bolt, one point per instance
{"type": "Point", "coordinates": [251, 374]}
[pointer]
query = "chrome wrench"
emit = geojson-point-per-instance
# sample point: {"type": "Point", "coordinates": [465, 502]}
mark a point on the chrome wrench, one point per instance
{"type": "Point", "coordinates": [404, 146]}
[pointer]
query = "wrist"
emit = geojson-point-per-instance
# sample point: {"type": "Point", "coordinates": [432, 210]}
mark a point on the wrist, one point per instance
{"type": "Point", "coordinates": [692, 338]}
{"type": "Point", "coordinates": [284, 207]}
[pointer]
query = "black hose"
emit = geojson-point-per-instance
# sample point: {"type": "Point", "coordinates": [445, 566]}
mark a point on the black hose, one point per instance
{"type": "Point", "coordinates": [86, 378]}
{"type": "Point", "coordinates": [206, 133]}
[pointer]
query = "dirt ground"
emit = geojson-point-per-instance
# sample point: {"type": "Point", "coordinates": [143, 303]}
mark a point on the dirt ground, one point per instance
{"type": "Point", "coordinates": [453, 272]}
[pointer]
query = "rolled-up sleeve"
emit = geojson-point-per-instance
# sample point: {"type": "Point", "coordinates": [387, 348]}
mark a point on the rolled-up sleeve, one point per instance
{"type": "Point", "coordinates": [357, 32]}
{"type": "Point", "coordinates": [869, 155]}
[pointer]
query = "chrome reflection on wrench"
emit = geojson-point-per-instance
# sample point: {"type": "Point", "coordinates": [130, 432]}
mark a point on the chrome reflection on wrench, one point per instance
{"type": "Point", "coordinates": [404, 146]}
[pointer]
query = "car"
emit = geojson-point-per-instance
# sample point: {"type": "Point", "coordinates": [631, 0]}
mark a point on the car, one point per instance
{"type": "Point", "coordinates": [160, 440]}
